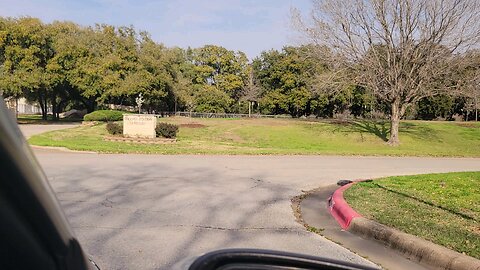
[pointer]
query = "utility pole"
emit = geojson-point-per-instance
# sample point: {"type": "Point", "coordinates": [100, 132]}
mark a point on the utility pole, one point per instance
{"type": "Point", "coordinates": [476, 108]}
{"type": "Point", "coordinates": [175, 105]}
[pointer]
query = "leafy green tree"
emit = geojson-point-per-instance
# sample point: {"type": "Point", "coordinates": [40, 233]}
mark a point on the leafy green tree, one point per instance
{"type": "Point", "coordinates": [287, 79]}
{"type": "Point", "coordinates": [211, 99]}
{"type": "Point", "coordinates": [151, 75]}
{"type": "Point", "coordinates": [434, 107]}
{"type": "Point", "coordinates": [361, 101]}
{"type": "Point", "coordinates": [218, 72]}
{"type": "Point", "coordinates": [26, 49]}
{"type": "Point", "coordinates": [60, 65]}
{"type": "Point", "coordinates": [273, 102]}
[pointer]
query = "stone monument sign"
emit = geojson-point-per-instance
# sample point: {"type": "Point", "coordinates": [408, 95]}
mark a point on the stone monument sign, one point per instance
{"type": "Point", "coordinates": [139, 125]}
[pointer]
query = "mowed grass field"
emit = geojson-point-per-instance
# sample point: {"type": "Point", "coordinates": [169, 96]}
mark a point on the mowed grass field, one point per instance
{"type": "Point", "coordinates": [35, 119]}
{"type": "Point", "coordinates": [284, 137]}
{"type": "Point", "coordinates": [442, 208]}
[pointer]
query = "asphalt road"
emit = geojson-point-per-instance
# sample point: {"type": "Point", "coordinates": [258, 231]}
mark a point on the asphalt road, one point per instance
{"type": "Point", "coordinates": [160, 212]}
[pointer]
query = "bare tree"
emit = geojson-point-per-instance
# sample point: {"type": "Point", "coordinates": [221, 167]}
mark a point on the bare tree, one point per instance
{"type": "Point", "coordinates": [251, 91]}
{"type": "Point", "coordinates": [402, 50]}
{"type": "Point", "coordinates": [469, 75]}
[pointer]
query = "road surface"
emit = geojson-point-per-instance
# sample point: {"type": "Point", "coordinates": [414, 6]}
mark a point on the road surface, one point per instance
{"type": "Point", "coordinates": [159, 212]}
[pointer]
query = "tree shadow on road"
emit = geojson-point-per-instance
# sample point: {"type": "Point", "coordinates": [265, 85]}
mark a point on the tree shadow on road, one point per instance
{"type": "Point", "coordinates": [155, 216]}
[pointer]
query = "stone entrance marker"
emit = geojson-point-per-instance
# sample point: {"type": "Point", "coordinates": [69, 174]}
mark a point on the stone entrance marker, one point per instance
{"type": "Point", "coordinates": [139, 125]}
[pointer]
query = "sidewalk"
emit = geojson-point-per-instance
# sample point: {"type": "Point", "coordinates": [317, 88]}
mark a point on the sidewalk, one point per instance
{"type": "Point", "coordinates": [314, 212]}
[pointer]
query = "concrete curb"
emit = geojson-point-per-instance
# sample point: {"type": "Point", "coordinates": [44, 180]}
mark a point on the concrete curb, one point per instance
{"type": "Point", "coordinates": [414, 247]}
{"type": "Point", "coordinates": [411, 246]}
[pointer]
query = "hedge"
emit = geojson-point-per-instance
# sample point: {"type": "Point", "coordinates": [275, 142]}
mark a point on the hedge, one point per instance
{"type": "Point", "coordinates": [114, 128]}
{"type": "Point", "coordinates": [104, 116]}
{"type": "Point", "coordinates": [166, 130]}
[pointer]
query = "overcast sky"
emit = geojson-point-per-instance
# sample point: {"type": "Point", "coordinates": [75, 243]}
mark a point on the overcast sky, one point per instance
{"type": "Point", "coordinates": [247, 25]}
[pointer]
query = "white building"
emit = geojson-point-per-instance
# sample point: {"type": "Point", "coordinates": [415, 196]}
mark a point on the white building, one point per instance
{"type": "Point", "coordinates": [22, 106]}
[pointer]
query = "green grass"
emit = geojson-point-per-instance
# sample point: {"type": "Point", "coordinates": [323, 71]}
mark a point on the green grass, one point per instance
{"type": "Point", "coordinates": [285, 136]}
{"type": "Point", "coordinates": [36, 119]}
{"type": "Point", "coordinates": [442, 208]}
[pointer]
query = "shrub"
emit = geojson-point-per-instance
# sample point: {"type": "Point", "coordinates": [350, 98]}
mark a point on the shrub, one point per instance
{"type": "Point", "coordinates": [166, 130]}
{"type": "Point", "coordinates": [104, 116]}
{"type": "Point", "coordinates": [114, 128]}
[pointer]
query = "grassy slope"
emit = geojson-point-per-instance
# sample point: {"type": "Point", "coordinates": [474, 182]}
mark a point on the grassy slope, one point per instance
{"type": "Point", "coordinates": [284, 136]}
{"type": "Point", "coordinates": [442, 208]}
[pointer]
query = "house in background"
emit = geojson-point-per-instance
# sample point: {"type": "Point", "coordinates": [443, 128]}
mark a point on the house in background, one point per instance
{"type": "Point", "coordinates": [22, 106]}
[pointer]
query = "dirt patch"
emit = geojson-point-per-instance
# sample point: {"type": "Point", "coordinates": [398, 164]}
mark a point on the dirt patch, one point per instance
{"type": "Point", "coordinates": [139, 140]}
{"type": "Point", "coordinates": [296, 201]}
{"type": "Point", "coordinates": [233, 137]}
{"type": "Point", "coordinates": [192, 125]}
{"type": "Point", "coordinates": [338, 122]}
{"type": "Point", "coordinates": [297, 212]}
{"type": "Point", "coordinates": [269, 122]}
{"type": "Point", "coordinates": [468, 125]}
{"type": "Point", "coordinates": [475, 230]}
{"type": "Point", "coordinates": [341, 122]}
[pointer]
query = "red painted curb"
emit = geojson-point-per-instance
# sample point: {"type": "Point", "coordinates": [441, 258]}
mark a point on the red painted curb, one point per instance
{"type": "Point", "coordinates": [340, 209]}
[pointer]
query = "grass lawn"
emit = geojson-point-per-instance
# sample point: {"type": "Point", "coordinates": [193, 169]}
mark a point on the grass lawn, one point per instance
{"type": "Point", "coordinates": [26, 119]}
{"type": "Point", "coordinates": [285, 136]}
{"type": "Point", "coordinates": [442, 208]}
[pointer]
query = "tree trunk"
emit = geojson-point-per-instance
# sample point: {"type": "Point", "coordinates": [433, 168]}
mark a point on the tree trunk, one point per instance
{"type": "Point", "coordinates": [54, 109]}
{"type": "Point", "coordinates": [43, 107]}
{"type": "Point", "coordinates": [395, 123]}
{"type": "Point", "coordinates": [175, 105]}
{"type": "Point", "coordinates": [45, 110]}
{"type": "Point", "coordinates": [90, 105]}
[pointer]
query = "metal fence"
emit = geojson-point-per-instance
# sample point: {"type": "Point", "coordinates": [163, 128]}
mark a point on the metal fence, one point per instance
{"type": "Point", "coordinates": [219, 115]}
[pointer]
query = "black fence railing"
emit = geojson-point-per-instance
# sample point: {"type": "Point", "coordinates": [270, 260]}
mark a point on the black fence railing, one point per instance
{"type": "Point", "coordinates": [219, 115]}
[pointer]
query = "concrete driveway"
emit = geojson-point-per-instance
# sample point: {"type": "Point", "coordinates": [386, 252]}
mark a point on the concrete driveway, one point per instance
{"type": "Point", "coordinates": [160, 212]}
{"type": "Point", "coordinates": [30, 130]}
